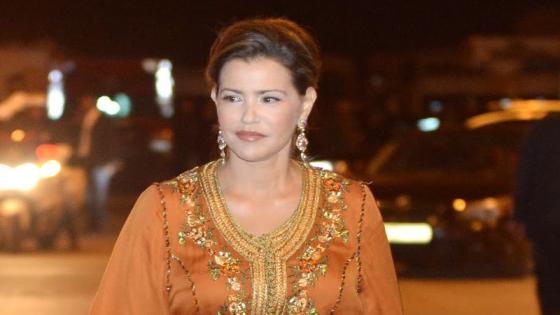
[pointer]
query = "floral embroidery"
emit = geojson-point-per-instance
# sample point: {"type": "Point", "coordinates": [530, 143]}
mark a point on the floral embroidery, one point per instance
{"type": "Point", "coordinates": [265, 255]}
{"type": "Point", "coordinates": [195, 227]}
{"type": "Point", "coordinates": [311, 263]}
{"type": "Point", "coordinates": [195, 224]}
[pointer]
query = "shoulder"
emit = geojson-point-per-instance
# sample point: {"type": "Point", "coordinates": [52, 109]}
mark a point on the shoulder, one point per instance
{"type": "Point", "coordinates": [183, 189]}
{"type": "Point", "coordinates": [158, 206]}
{"type": "Point", "coordinates": [186, 183]}
{"type": "Point", "coordinates": [147, 206]}
{"type": "Point", "coordinates": [357, 195]}
{"type": "Point", "coordinates": [159, 194]}
{"type": "Point", "coordinates": [353, 190]}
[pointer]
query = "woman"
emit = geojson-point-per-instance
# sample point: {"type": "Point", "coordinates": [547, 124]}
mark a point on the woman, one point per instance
{"type": "Point", "coordinates": [255, 232]}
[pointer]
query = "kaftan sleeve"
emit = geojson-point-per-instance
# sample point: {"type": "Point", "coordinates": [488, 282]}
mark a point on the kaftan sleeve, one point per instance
{"type": "Point", "coordinates": [380, 292]}
{"type": "Point", "coordinates": [134, 280]}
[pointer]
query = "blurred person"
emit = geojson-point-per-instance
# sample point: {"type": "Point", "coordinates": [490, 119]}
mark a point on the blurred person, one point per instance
{"type": "Point", "coordinates": [256, 231]}
{"type": "Point", "coordinates": [97, 150]}
{"type": "Point", "coordinates": [537, 206]}
{"type": "Point", "coordinates": [187, 129]}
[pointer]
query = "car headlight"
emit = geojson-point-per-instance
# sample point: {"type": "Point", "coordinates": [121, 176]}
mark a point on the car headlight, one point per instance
{"type": "Point", "coordinates": [9, 207]}
{"type": "Point", "coordinates": [22, 177]}
{"type": "Point", "coordinates": [409, 233]}
{"type": "Point", "coordinates": [486, 210]}
{"type": "Point", "coordinates": [26, 176]}
{"type": "Point", "coordinates": [50, 168]}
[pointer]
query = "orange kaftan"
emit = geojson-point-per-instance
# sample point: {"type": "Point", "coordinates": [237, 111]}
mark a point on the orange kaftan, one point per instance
{"type": "Point", "coordinates": [180, 252]}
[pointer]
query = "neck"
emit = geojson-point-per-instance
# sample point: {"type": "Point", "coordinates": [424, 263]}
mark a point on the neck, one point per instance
{"type": "Point", "coordinates": [261, 177]}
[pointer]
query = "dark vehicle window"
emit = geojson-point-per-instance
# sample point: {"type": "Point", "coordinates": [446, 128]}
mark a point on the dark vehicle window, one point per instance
{"type": "Point", "coordinates": [488, 149]}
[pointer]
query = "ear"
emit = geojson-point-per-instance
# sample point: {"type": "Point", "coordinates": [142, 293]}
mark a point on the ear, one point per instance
{"type": "Point", "coordinates": [308, 101]}
{"type": "Point", "coordinates": [213, 94]}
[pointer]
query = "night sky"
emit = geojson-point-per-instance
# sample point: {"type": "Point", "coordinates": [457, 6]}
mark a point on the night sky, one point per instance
{"type": "Point", "coordinates": [184, 30]}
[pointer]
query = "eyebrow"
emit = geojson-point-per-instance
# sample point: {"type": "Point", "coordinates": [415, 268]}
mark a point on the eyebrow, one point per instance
{"type": "Point", "coordinates": [260, 92]}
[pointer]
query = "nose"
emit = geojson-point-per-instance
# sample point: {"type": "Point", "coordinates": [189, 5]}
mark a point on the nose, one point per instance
{"type": "Point", "coordinates": [250, 112]}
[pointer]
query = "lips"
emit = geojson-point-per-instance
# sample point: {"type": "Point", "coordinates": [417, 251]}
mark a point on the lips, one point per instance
{"type": "Point", "coordinates": [249, 135]}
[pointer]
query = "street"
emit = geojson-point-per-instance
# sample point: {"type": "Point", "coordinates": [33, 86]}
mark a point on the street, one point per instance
{"type": "Point", "coordinates": [63, 282]}
{"type": "Point", "coordinates": [57, 282]}
{"type": "Point", "coordinates": [469, 297]}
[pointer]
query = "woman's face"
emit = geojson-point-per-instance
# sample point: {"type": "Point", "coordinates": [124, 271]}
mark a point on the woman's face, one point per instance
{"type": "Point", "coordinates": [259, 107]}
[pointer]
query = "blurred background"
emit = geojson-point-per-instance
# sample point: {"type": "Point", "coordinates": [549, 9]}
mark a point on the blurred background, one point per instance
{"type": "Point", "coordinates": [428, 101]}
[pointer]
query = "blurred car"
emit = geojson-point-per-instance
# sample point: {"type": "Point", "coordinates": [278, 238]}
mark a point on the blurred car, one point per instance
{"type": "Point", "coordinates": [38, 192]}
{"type": "Point", "coordinates": [446, 195]}
{"type": "Point", "coordinates": [446, 200]}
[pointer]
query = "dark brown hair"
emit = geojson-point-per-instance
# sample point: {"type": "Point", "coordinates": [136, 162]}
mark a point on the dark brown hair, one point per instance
{"type": "Point", "coordinates": [276, 38]}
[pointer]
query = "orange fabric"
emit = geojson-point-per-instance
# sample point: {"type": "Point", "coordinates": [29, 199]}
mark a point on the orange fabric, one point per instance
{"type": "Point", "coordinates": [135, 279]}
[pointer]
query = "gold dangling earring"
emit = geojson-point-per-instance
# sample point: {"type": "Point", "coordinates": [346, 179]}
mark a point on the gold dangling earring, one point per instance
{"type": "Point", "coordinates": [222, 146]}
{"type": "Point", "coordinates": [301, 141]}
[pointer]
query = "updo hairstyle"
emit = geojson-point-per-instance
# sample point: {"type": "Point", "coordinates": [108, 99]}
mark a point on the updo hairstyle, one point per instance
{"type": "Point", "coordinates": [277, 38]}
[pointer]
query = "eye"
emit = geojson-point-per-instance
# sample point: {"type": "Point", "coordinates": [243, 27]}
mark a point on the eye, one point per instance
{"type": "Point", "coordinates": [270, 99]}
{"type": "Point", "coordinates": [231, 98]}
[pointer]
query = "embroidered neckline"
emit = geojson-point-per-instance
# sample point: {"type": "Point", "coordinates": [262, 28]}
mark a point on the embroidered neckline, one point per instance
{"type": "Point", "coordinates": [310, 230]}
{"type": "Point", "coordinates": [297, 226]}
{"type": "Point", "coordinates": [267, 254]}
{"type": "Point", "coordinates": [277, 231]}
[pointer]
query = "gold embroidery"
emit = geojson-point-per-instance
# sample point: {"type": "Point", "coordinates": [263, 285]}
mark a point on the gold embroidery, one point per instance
{"type": "Point", "coordinates": [221, 263]}
{"type": "Point", "coordinates": [188, 275]}
{"type": "Point", "coordinates": [312, 263]}
{"type": "Point", "coordinates": [359, 278]}
{"type": "Point", "coordinates": [355, 256]}
{"type": "Point", "coordinates": [342, 281]}
{"type": "Point", "coordinates": [170, 255]}
{"type": "Point", "coordinates": [166, 238]}
{"type": "Point", "coordinates": [267, 254]}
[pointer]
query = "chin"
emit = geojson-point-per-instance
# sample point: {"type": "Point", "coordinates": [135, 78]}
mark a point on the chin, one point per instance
{"type": "Point", "coordinates": [252, 156]}
{"type": "Point", "coordinates": [257, 154]}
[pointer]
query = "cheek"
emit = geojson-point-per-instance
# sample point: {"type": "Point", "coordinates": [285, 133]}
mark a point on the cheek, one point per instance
{"type": "Point", "coordinates": [225, 116]}
{"type": "Point", "coordinates": [285, 122]}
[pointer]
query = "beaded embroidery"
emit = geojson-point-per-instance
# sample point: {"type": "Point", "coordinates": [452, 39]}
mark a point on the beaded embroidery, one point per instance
{"type": "Point", "coordinates": [222, 262]}
{"type": "Point", "coordinates": [312, 264]}
{"type": "Point", "coordinates": [267, 255]}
